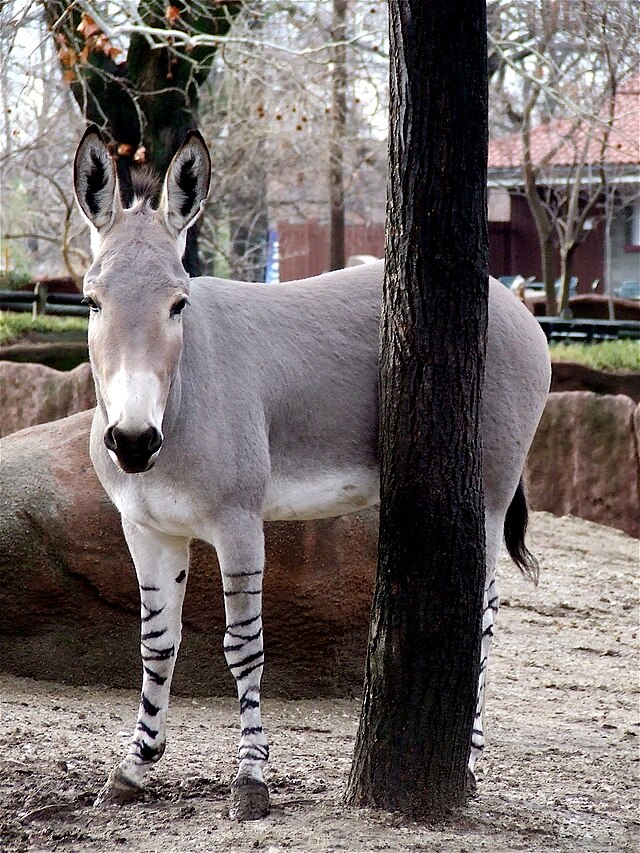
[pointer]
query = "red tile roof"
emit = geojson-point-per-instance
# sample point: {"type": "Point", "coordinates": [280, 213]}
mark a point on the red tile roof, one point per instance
{"type": "Point", "coordinates": [623, 145]}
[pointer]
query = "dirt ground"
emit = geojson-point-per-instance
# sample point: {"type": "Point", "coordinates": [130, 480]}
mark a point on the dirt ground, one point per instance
{"type": "Point", "coordinates": [560, 772]}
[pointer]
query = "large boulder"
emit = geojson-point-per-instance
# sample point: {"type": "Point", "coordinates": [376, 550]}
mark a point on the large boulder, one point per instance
{"type": "Point", "coordinates": [34, 394]}
{"type": "Point", "coordinates": [69, 598]}
{"type": "Point", "coordinates": [584, 459]}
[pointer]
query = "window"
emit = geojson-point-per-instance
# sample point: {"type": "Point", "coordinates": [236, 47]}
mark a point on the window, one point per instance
{"type": "Point", "coordinates": [632, 235]}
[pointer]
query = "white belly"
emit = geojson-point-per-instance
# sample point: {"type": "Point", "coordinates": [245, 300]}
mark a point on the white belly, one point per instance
{"type": "Point", "coordinates": [321, 496]}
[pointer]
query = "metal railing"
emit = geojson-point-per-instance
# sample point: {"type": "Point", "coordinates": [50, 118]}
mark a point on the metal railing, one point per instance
{"type": "Point", "coordinates": [40, 301]}
{"type": "Point", "coordinates": [578, 329]}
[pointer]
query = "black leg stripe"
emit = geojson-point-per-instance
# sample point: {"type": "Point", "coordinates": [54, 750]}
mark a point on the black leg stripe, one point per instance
{"type": "Point", "coordinates": [158, 679]}
{"type": "Point", "coordinates": [248, 671]}
{"type": "Point", "coordinates": [153, 733]}
{"type": "Point", "coordinates": [244, 622]}
{"type": "Point", "coordinates": [159, 654]}
{"type": "Point", "coordinates": [253, 750]}
{"type": "Point", "coordinates": [235, 648]}
{"type": "Point", "coordinates": [231, 592]}
{"type": "Point", "coordinates": [242, 574]}
{"type": "Point", "coordinates": [246, 660]}
{"type": "Point", "coordinates": [247, 638]}
{"type": "Point", "coordinates": [148, 706]}
{"type": "Point", "coordinates": [147, 753]}
{"type": "Point", "coordinates": [152, 613]}
{"type": "Point", "coordinates": [153, 635]}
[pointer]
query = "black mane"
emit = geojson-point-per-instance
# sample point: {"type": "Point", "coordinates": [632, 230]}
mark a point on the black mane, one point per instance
{"type": "Point", "coordinates": [145, 182]}
{"type": "Point", "coordinates": [138, 183]}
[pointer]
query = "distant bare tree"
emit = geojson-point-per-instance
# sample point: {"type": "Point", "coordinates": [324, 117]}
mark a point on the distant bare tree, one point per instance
{"type": "Point", "coordinates": [38, 132]}
{"type": "Point", "coordinates": [561, 64]}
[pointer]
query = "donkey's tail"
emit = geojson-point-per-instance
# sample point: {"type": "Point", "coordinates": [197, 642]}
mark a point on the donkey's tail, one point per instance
{"type": "Point", "coordinates": [515, 527]}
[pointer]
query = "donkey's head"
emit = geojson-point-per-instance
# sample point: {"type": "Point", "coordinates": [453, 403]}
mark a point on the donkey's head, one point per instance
{"type": "Point", "coordinates": [136, 290]}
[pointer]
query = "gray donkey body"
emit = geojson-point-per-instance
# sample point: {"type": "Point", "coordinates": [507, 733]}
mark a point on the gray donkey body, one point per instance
{"type": "Point", "coordinates": [222, 404]}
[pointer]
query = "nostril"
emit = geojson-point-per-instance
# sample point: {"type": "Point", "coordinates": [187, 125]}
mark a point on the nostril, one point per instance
{"type": "Point", "coordinates": [133, 449]}
{"type": "Point", "coordinates": [110, 439]}
{"type": "Point", "coordinates": [155, 440]}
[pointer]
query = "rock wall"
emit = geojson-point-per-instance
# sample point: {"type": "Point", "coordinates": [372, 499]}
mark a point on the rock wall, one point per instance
{"type": "Point", "coordinates": [569, 376]}
{"type": "Point", "coordinates": [585, 459]}
{"type": "Point", "coordinates": [34, 394]}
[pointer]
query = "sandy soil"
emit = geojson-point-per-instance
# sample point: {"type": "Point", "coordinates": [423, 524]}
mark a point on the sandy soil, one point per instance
{"type": "Point", "coordinates": [563, 728]}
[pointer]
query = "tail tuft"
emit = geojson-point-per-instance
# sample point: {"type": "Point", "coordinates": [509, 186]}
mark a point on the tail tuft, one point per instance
{"type": "Point", "coordinates": [515, 527]}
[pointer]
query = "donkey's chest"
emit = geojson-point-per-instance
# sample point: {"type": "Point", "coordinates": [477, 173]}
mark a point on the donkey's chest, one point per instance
{"type": "Point", "coordinates": [166, 508]}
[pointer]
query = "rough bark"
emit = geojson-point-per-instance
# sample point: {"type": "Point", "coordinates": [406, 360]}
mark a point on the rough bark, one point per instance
{"type": "Point", "coordinates": [413, 741]}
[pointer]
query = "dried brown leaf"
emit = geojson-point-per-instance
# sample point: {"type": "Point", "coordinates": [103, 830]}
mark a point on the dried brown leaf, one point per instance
{"type": "Point", "coordinates": [172, 14]}
{"type": "Point", "coordinates": [87, 26]}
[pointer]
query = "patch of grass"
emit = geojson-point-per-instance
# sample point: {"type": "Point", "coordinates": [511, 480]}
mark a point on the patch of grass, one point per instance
{"type": "Point", "coordinates": [14, 326]}
{"type": "Point", "coordinates": [603, 355]}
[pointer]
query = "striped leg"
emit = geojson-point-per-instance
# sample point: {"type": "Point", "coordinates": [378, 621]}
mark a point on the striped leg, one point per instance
{"type": "Point", "coordinates": [162, 564]}
{"type": "Point", "coordinates": [494, 528]}
{"type": "Point", "coordinates": [239, 543]}
{"type": "Point", "coordinates": [488, 620]}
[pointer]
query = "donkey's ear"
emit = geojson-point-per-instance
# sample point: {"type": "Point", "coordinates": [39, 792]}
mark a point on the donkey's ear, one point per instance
{"type": "Point", "coordinates": [94, 180]}
{"type": "Point", "coordinates": [186, 185]}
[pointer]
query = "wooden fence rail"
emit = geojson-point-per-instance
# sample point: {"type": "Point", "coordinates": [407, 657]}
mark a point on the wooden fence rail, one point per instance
{"type": "Point", "coordinates": [39, 301]}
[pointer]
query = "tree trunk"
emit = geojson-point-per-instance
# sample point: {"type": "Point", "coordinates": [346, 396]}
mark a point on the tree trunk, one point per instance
{"type": "Point", "coordinates": [539, 212]}
{"type": "Point", "coordinates": [608, 221]}
{"type": "Point", "coordinates": [566, 259]}
{"type": "Point", "coordinates": [421, 677]}
{"type": "Point", "coordinates": [337, 258]}
{"type": "Point", "coordinates": [548, 259]}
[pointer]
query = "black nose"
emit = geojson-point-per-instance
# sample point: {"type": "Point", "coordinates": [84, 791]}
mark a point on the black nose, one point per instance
{"type": "Point", "coordinates": [133, 449]}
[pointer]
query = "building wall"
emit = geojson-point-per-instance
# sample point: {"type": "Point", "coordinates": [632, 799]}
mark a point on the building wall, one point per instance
{"type": "Point", "coordinates": [625, 265]}
{"type": "Point", "coordinates": [588, 262]}
{"type": "Point", "coordinates": [518, 252]}
{"type": "Point", "coordinates": [525, 255]}
{"type": "Point", "coordinates": [513, 249]}
{"type": "Point", "coordinates": [304, 246]}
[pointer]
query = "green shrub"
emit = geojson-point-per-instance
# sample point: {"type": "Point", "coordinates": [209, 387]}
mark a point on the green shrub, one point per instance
{"type": "Point", "coordinates": [14, 325]}
{"type": "Point", "coordinates": [16, 280]}
{"type": "Point", "coordinates": [604, 355]}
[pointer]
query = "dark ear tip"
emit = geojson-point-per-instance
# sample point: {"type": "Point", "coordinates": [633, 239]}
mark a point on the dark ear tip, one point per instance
{"type": "Point", "coordinates": [194, 135]}
{"type": "Point", "coordinates": [92, 130]}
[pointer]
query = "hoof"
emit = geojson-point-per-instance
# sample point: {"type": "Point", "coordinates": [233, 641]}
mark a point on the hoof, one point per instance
{"type": "Point", "coordinates": [118, 790]}
{"type": "Point", "coordinates": [470, 784]}
{"type": "Point", "coordinates": [249, 799]}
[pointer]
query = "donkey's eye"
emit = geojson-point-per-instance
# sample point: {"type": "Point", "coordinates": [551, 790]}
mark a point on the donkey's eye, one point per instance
{"type": "Point", "coordinates": [91, 304]}
{"type": "Point", "coordinates": [179, 307]}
